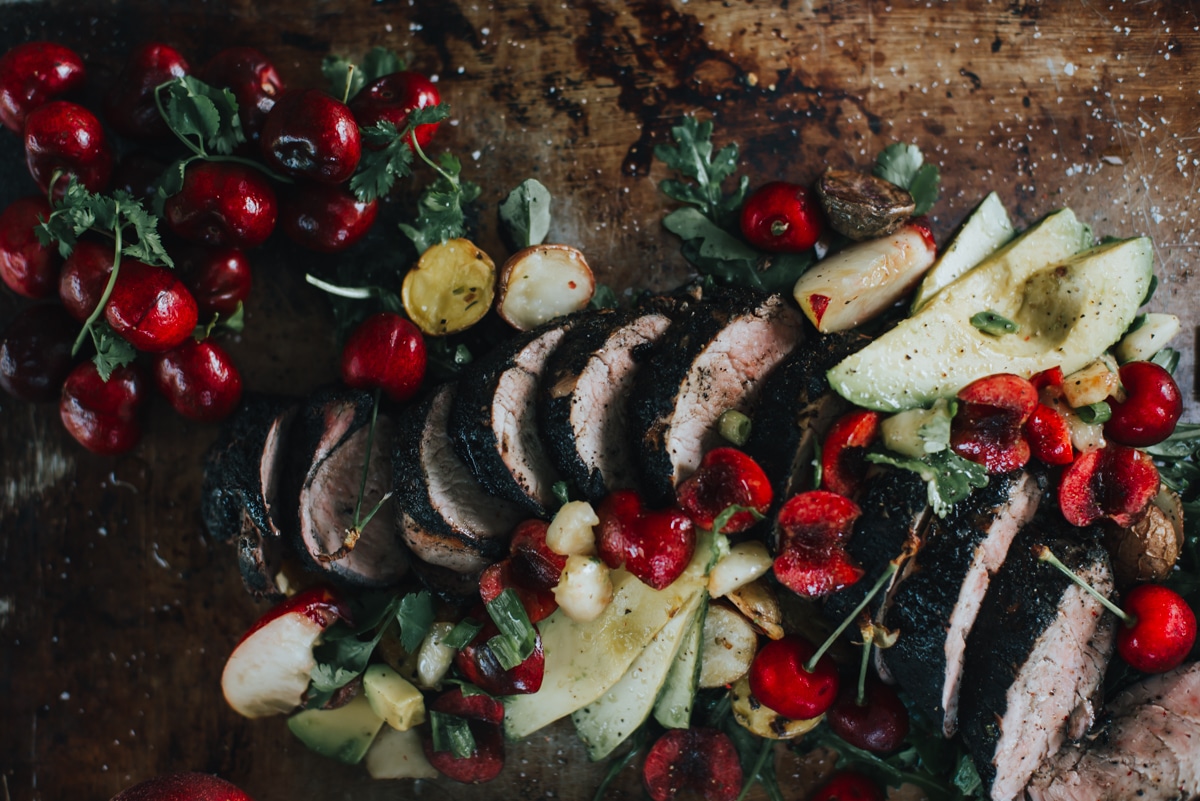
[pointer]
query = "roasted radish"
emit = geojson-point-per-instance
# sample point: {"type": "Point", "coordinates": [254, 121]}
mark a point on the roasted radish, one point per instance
{"type": "Point", "coordinates": [542, 282]}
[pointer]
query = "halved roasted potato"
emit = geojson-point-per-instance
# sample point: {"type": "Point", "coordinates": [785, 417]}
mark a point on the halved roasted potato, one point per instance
{"type": "Point", "coordinates": [450, 289]}
{"type": "Point", "coordinates": [727, 646]}
{"type": "Point", "coordinates": [542, 282]}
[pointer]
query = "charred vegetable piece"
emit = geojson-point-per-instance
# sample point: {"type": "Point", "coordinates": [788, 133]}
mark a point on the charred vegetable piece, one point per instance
{"type": "Point", "coordinates": [862, 206]}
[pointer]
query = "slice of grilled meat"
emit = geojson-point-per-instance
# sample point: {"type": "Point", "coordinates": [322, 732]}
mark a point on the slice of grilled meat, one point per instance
{"type": "Point", "coordinates": [331, 449]}
{"type": "Point", "coordinates": [444, 516]}
{"type": "Point", "coordinates": [935, 605]}
{"type": "Point", "coordinates": [1147, 751]}
{"type": "Point", "coordinates": [583, 412]}
{"type": "Point", "coordinates": [1036, 654]}
{"type": "Point", "coordinates": [713, 359]}
{"type": "Point", "coordinates": [493, 420]}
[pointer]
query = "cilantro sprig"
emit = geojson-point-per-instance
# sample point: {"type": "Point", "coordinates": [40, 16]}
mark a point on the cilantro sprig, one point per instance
{"type": "Point", "coordinates": [440, 209]}
{"type": "Point", "coordinates": [904, 165]}
{"type": "Point", "coordinates": [347, 79]}
{"type": "Point", "coordinates": [388, 152]}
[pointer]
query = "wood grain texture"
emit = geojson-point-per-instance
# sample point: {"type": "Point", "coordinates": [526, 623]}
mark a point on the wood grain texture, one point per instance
{"type": "Point", "coordinates": [116, 614]}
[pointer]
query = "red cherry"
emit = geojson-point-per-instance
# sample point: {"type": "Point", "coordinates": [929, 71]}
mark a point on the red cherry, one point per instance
{"type": "Point", "coordinates": [251, 77]}
{"type": "Point", "coordinates": [479, 665]}
{"type": "Point", "coordinates": [199, 380]}
{"type": "Point", "coordinates": [879, 724]}
{"type": "Point", "coordinates": [702, 760]}
{"type": "Point", "coordinates": [392, 97]}
{"type": "Point", "coordinates": [816, 572]}
{"type": "Point", "coordinates": [782, 218]}
{"type": "Point", "coordinates": [219, 278]}
{"type": "Point", "coordinates": [27, 266]}
{"type": "Point", "coordinates": [1161, 630]}
{"type": "Point", "coordinates": [1152, 406]}
{"type": "Point", "coordinates": [1049, 436]}
{"type": "Point", "coordinates": [1052, 377]}
{"type": "Point", "coordinates": [31, 74]}
{"type": "Point", "coordinates": [726, 477]}
{"type": "Point", "coordinates": [813, 527]}
{"type": "Point", "coordinates": [130, 106]}
{"type": "Point", "coordinates": [534, 565]}
{"type": "Point", "coordinates": [848, 785]}
{"type": "Point", "coordinates": [223, 204]}
{"type": "Point", "coordinates": [843, 462]}
{"type": "Point", "coordinates": [83, 278]}
{"type": "Point", "coordinates": [327, 219]}
{"type": "Point", "coordinates": [496, 578]}
{"type": "Point", "coordinates": [988, 426]}
{"type": "Point", "coordinates": [779, 679]}
{"type": "Point", "coordinates": [311, 135]}
{"type": "Point", "coordinates": [1116, 482]}
{"type": "Point", "coordinates": [385, 351]}
{"type": "Point", "coordinates": [64, 139]}
{"type": "Point", "coordinates": [483, 715]}
{"type": "Point", "coordinates": [183, 787]}
{"type": "Point", "coordinates": [322, 604]}
{"type": "Point", "coordinates": [35, 352]}
{"type": "Point", "coordinates": [150, 307]}
{"type": "Point", "coordinates": [102, 415]}
{"type": "Point", "coordinates": [655, 546]}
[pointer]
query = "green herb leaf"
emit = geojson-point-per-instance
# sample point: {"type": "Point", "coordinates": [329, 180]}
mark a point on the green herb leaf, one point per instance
{"type": "Point", "coordinates": [904, 165]}
{"type": "Point", "coordinates": [990, 322]}
{"type": "Point", "coordinates": [562, 492]}
{"type": "Point", "coordinates": [692, 157]}
{"type": "Point", "coordinates": [415, 616]}
{"type": "Point", "coordinates": [525, 213]}
{"type": "Point", "coordinates": [463, 632]}
{"type": "Point", "coordinates": [386, 157]}
{"type": "Point", "coordinates": [948, 476]}
{"type": "Point", "coordinates": [111, 350]}
{"type": "Point", "coordinates": [440, 213]}
{"type": "Point", "coordinates": [451, 733]}
{"type": "Point", "coordinates": [722, 519]}
{"type": "Point", "coordinates": [204, 116]}
{"type": "Point", "coordinates": [1167, 359]}
{"type": "Point", "coordinates": [603, 298]}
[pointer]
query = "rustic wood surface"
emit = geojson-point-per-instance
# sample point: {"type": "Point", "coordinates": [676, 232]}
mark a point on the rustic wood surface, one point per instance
{"type": "Point", "coordinates": [116, 614]}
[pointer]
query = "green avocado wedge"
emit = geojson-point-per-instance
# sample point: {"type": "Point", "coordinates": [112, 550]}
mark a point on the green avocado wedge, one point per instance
{"type": "Point", "coordinates": [1067, 313]}
{"type": "Point", "coordinates": [982, 234]}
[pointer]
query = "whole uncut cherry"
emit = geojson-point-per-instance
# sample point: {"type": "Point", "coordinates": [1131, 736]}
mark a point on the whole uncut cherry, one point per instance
{"type": "Point", "coordinates": [84, 276]}
{"type": "Point", "coordinates": [64, 139]}
{"type": "Point", "coordinates": [27, 266]}
{"type": "Point", "coordinates": [130, 106]}
{"type": "Point", "coordinates": [781, 217]}
{"type": "Point", "coordinates": [877, 723]}
{"type": "Point", "coordinates": [183, 787]}
{"type": "Point", "coordinates": [252, 78]}
{"type": "Point", "coordinates": [391, 99]}
{"type": "Point", "coordinates": [848, 785]}
{"type": "Point", "coordinates": [223, 204]}
{"type": "Point", "coordinates": [1151, 408]}
{"type": "Point", "coordinates": [1159, 630]}
{"type": "Point", "coordinates": [781, 679]}
{"type": "Point", "coordinates": [309, 134]}
{"type": "Point", "coordinates": [103, 415]}
{"type": "Point", "coordinates": [150, 307]}
{"type": "Point", "coordinates": [31, 74]}
{"type": "Point", "coordinates": [35, 352]}
{"type": "Point", "coordinates": [385, 351]}
{"type": "Point", "coordinates": [218, 277]}
{"type": "Point", "coordinates": [199, 380]}
{"type": "Point", "coordinates": [327, 219]}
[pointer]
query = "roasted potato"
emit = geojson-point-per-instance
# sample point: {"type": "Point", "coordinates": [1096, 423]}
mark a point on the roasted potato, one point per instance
{"type": "Point", "coordinates": [1147, 550]}
{"type": "Point", "coordinates": [542, 282]}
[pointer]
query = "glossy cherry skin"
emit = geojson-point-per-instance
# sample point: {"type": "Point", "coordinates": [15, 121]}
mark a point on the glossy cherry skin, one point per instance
{"type": "Point", "coordinates": [27, 266]}
{"type": "Point", "coordinates": [183, 787]}
{"type": "Point", "coordinates": [726, 477]}
{"type": "Point", "coordinates": [66, 138]}
{"type": "Point", "coordinates": [534, 565]}
{"type": "Point", "coordinates": [35, 352]}
{"type": "Point", "coordinates": [223, 204]}
{"type": "Point", "coordinates": [654, 545]}
{"type": "Point", "coordinates": [538, 603]}
{"type": "Point", "coordinates": [1162, 630]}
{"type": "Point", "coordinates": [780, 217]}
{"type": "Point", "coordinates": [483, 716]}
{"type": "Point", "coordinates": [392, 97]}
{"type": "Point", "coordinates": [1049, 436]}
{"type": "Point", "coordinates": [1152, 406]}
{"type": "Point", "coordinates": [311, 135]}
{"type": "Point", "coordinates": [321, 604]}
{"type": "Point", "coordinates": [1116, 482]}
{"type": "Point", "coordinates": [33, 73]}
{"type": "Point", "coordinates": [878, 725]}
{"type": "Point", "coordinates": [219, 278]}
{"type": "Point", "coordinates": [130, 106]}
{"type": "Point", "coordinates": [103, 415]}
{"type": "Point", "coordinates": [385, 351]}
{"type": "Point", "coordinates": [479, 665]}
{"type": "Point", "coordinates": [327, 219]}
{"type": "Point", "coordinates": [252, 78]}
{"type": "Point", "coordinates": [989, 426]}
{"type": "Point", "coordinates": [778, 679]}
{"type": "Point", "coordinates": [199, 380]}
{"type": "Point", "coordinates": [151, 308]}
{"type": "Point", "coordinates": [847, 785]}
{"type": "Point", "coordinates": [83, 277]}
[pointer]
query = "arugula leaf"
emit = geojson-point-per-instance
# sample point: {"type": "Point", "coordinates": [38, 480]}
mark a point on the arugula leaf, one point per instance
{"type": "Point", "coordinates": [904, 165]}
{"type": "Point", "coordinates": [603, 298]}
{"type": "Point", "coordinates": [525, 213]}
{"type": "Point", "coordinates": [949, 477]}
{"type": "Point", "coordinates": [415, 616]}
{"type": "Point", "coordinates": [207, 113]}
{"type": "Point", "coordinates": [692, 157]}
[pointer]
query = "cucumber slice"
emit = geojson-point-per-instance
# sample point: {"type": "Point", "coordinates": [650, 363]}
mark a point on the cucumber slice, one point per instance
{"type": "Point", "coordinates": [673, 709]}
{"type": "Point", "coordinates": [605, 723]}
{"type": "Point", "coordinates": [983, 233]}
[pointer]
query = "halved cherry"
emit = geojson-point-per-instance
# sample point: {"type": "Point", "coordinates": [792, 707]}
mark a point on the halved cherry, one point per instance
{"type": "Point", "coordinates": [843, 455]}
{"type": "Point", "coordinates": [501, 576]}
{"type": "Point", "coordinates": [1049, 436]}
{"type": "Point", "coordinates": [816, 572]}
{"type": "Point", "coordinates": [726, 477]}
{"type": "Point", "coordinates": [483, 716]}
{"type": "Point", "coordinates": [1151, 408]}
{"type": "Point", "coordinates": [655, 546]}
{"type": "Point", "coordinates": [1116, 482]}
{"type": "Point", "coordinates": [813, 527]}
{"type": "Point", "coordinates": [781, 678]}
{"type": "Point", "coordinates": [534, 565]}
{"type": "Point", "coordinates": [478, 664]}
{"type": "Point", "coordinates": [1051, 377]}
{"type": "Point", "coordinates": [848, 785]}
{"type": "Point", "coordinates": [988, 426]}
{"type": "Point", "coordinates": [701, 760]}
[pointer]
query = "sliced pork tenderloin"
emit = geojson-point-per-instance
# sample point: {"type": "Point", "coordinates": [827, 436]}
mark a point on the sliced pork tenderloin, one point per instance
{"type": "Point", "coordinates": [1148, 750]}
{"type": "Point", "coordinates": [493, 419]}
{"type": "Point", "coordinates": [713, 359]}
{"type": "Point", "coordinates": [331, 449]}
{"type": "Point", "coordinates": [445, 517]}
{"type": "Point", "coordinates": [1035, 657]}
{"type": "Point", "coordinates": [582, 412]}
{"type": "Point", "coordinates": [935, 604]}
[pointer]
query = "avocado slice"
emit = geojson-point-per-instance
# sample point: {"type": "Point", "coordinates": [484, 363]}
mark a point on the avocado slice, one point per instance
{"type": "Point", "coordinates": [983, 233]}
{"type": "Point", "coordinates": [344, 733]}
{"type": "Point", "coordinates": [1068, 312]}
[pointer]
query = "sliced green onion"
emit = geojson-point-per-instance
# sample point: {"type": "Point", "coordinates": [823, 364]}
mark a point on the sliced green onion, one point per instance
{"type": "Point", "coordinates": [561, 491]}
{"type": "Point", "coordinates": [722, 520]}
{"type": "Point", "coordinates": [451, 733]}
{"type": "Point", "coordinates": [463, 632]}
{"type": "Point", "coordinates": [517, 637]}
{"type": "Point", "coordinates": [989, 322]}
{"type": "Point", "coordinates": [734, 427]}
{"type": "Point", "coordinates": [1167, 359]}
{"type": "Point", "coordinates": [1095, 413]}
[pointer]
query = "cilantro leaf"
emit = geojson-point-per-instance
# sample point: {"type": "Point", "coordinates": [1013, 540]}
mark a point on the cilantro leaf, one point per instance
{"type": "Point", "coordinates": [949, 477]}
{"type": "Point", "coordinates": [207, 113]}
{"type": "Point", "coordinates": [111, 350]}
{"type": "Point", "coordinates": [388, 153]}
{"type": "Point", "coordinates": [440, 208]}
{"type": "Point", "coordinates": [526, 213]}
{"type": "Point", "coordinates": [603, 298]}
{"type": "Point", "coordinates": [904, 165]}
{"type": "Point", "coordinates": [346, 79]}
{"type": "Point", "coordinates": [718, 253]}
{"type": "Point", "coordinates": [415, 616]}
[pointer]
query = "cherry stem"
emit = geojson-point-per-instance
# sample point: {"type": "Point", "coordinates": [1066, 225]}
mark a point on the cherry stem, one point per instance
{"type": "Point", "coordinates": [417, 148]}
{"type": "Point", "coordinates": [811, 664]}
{"type": "Point", "coordinates": [352, 292]}
{"type": "Point", "coordinates": [362, 485]}
{"type": "Point", "coordinates": [349, 82]}
{"type": "Point", "coordinates": [108, 288]}
{"type": "Point", "coordinates": [868, 634]}
{"type": "Point", "coordinates": [779, 227]}
{"type": "Point", "coordinates": [1044, 554]}
{"type": "Point", "coordinates": [765, 750]}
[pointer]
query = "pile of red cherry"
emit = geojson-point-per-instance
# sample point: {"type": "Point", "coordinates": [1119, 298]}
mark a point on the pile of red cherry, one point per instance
{"type": "Point", "coordinates": [226, 205]}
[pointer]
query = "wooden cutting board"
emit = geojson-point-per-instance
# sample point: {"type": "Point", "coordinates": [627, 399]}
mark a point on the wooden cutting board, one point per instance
{"type": "Point", "coordinates": [116, 614]}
